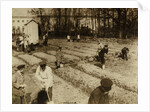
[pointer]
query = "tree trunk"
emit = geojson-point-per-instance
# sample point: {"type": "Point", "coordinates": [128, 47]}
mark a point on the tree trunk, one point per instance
{"type": "Point", "coordinates": [98, 22]}
{"type": "Point", "coordinates": [92, 22]}
{"type": "Point", "coordinates": [66, 21]}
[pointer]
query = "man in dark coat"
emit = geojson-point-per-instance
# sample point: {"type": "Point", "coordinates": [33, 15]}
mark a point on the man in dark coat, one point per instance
{"type": "Point", "coordinates": [102, 55]}
{"type": "Point", "coordinates": [100, 94]}
{"type": "Point", "coordinates": [125, 52]}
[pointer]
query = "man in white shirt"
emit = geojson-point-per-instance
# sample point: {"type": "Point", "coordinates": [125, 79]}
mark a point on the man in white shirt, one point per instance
{"type": "Point", "coordinates": [45, 76]}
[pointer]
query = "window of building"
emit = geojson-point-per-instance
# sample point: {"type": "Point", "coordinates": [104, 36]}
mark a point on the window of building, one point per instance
{"type": "Point", "coordinates": [18, 21]}
{"type": "Point", "coordinates": [13, 21]}
{"type": "Point", "coordinates": [22, 20]}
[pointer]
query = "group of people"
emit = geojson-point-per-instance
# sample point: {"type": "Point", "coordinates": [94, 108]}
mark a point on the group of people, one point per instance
{"type": "Point", "coordinates": [24, 43]}
{"type": "Point", "coordinates": [44, 76]}
{"type": "Point", "coordinates": [77, 38]}
{"type": "Point", "coordinates": [103, 50]}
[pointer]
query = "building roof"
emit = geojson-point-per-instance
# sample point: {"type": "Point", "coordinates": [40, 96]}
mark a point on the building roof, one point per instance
{"type": "Point", "coordinates": [31, 21]}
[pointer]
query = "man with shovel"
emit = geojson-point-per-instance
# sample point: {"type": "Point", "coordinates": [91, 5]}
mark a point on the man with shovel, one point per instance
{"type": "Point", "coordinates": [45, 76]}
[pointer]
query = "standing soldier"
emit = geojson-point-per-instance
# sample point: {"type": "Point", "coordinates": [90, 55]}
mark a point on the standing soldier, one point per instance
{"type": "Point", "coordinates": [100, 94]}
{"type": "Point", "coordinates": [30, 41]}
{"type": "Point", "coordinates": [102, 55]}
{"type": "Point", "coordinates": [18, 86]}
{"type": "Point", "coordinates": [59, 57]}
{"type": "Point", "coordinates": [26, 43]}
{"type": "Point", "coordinates": [45, 76]}
{"type": "Point", "coordinates": [21, 44]}
{"type": "Point", "coordinates": [100, 47]}
{"type": "Point", "coordinates": [45, 38]}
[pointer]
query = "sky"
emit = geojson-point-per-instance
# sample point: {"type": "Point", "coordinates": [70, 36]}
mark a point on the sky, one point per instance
{"type": "Point", "coordinates": [20, 12]}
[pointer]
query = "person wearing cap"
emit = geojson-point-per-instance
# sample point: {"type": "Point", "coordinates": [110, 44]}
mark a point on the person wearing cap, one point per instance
{"type": "Point", "coordinates": [18, 85]}
{"type": "Point", "coordinates": [45, 76]}
{"type": "Point", "coordinates": [100, 47]}
{"type": "Point", "coordinates": [59, 57]}
{"type": "Point", "coordinates": [45, 38]}
{"type": "Point", "coordinates": [102, 55]}
{"type": "Point", "coordinates": [100, 94]}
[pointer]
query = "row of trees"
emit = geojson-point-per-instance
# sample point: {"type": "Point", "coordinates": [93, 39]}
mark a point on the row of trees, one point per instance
{"type": "Point", "coordinates": [100, 22]}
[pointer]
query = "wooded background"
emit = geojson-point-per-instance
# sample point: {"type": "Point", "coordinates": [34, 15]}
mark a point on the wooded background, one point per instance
{"type": "Point", "coordinates": [94, 22]}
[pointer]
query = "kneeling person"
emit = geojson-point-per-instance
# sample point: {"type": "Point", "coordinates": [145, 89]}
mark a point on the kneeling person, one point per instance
{"type": "Point", "coordinates": [125, 52]}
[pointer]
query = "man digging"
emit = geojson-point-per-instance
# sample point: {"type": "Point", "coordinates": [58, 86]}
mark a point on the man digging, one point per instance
{"type": "Point", "coordinates": [45, 76]}
{"type": "Point", "coordinates": [102, 55]}
{"type": "Point", "coordinates": [100, 94]}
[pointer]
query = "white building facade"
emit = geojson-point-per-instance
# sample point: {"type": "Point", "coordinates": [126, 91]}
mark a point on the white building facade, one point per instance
{"type": "Point", "coordinates": [18, 24]}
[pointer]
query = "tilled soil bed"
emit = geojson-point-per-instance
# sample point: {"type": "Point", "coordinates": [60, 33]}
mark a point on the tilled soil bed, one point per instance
{"type": "Point", "coordinates": [87, 83]}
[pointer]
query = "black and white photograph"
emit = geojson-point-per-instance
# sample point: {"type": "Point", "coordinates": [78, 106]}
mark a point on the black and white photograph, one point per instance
{"type": "Point", "coordinates": [74, 56]}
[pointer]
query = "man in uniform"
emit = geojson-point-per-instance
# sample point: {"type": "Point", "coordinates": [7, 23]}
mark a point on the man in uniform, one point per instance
{"type": "Point", "coordinates": [45, 76]}
{"type": "Point", "coordinates": [59, 57]}
{"type": "Point", "coordinates": [100, 47]}
{"type": "Point", "coordinates": [100, 94]}
{"type": "Point", "coordinates": [102, 55]}
{"type": "Point", "coordinates": [45, 38]}
{"type": "Point", "coordinates": [18, 86]}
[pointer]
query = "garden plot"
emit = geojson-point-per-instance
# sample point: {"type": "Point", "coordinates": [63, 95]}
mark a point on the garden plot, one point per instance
{"type": "Point", "coordinates": [16, 62]}
{"type": "Point", "coordinates": [88, 83]}
{"type": "Point", "coordinates": [128, 83]}
{"type": "Point", "coordinates": [52, 52]}
{"type": "Point", "coordinates": [31, 60]}
{"type": "Point", "coordinates": [66, 56]}
{"type": "Point", "coordinates": [78, 78]}
{"type": "Point", "coordinates": [63, 93]}
{"type": "Point", "coordinates": [15, 53]}
{"type": "Point", "coordinates": [82, 55]}
{"type": "Point", "coordinates": [49, 58]}
{"type": "Point", "coordinates": [83, 51]}
{"type": "Point", "coordinates": [71, 57]}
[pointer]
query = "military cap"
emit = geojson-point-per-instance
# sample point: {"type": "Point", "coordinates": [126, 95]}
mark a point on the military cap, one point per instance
{"type": "Point", "coordinates": [20, 66]}
{"type": "Point", "coordinates": [42, 63]}
{"type": "Point", "coordinates": [105, 45]}
{"type": "Point", "coordinates": [60, 47]}
{"type": "Point", "coordinates": [106, 82]}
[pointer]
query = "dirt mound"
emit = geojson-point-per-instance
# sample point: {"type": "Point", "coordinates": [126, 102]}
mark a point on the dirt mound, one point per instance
{"type": "Point", "coordinates": [31, 60]}
{"type": "Point", "coordinates": [87, 83]}
{"type": "Point", "coordinates": [49, 58]}
{"type": "Point", "coordinates": [16, 62]}
{"type": "Point", "coordinates": [123, 82]}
